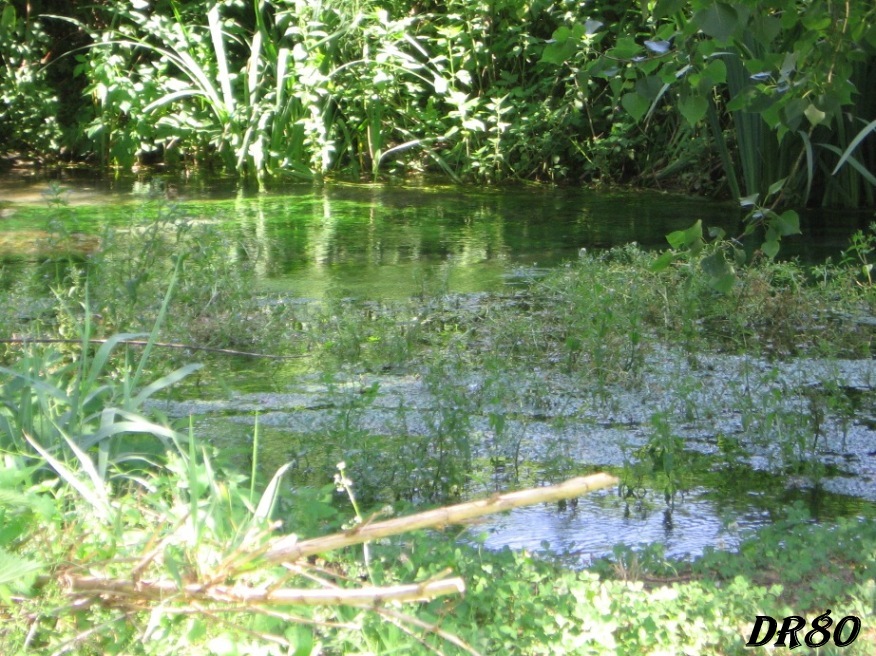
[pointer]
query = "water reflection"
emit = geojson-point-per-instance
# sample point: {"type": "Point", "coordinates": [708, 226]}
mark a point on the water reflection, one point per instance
{"type": "Point", "coordinates": [398, 241]}
{"type": "Point", "coordinates": [601, 521]}
{"type": "Point", "coordinates": [392, 242]}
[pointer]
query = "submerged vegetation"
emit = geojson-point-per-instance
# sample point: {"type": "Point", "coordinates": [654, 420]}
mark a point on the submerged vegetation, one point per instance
{"type": "Point", "coordinates": [103, 491]}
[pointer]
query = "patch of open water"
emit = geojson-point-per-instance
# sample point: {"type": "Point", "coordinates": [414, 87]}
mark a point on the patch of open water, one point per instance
{"type": "Point", "coordinates": [394, 241]}
{"type": "Point", "coordinates": [762, 407]}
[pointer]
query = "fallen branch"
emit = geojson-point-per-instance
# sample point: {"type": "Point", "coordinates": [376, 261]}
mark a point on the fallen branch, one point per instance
{"type": "Point", "coordinates": [239, 594]}
{"type": "Point", "coordinates": [289, 549]}
{"type": "Point", "coordinates": [138, 342]}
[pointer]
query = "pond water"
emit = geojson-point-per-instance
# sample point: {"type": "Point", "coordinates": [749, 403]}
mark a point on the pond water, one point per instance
{"type": "Point", "coordinates": [389, 242]}
{"type": "Point", "coordinates": [306, 421]}
{"type": "Point", "coordinates": [375, 241]}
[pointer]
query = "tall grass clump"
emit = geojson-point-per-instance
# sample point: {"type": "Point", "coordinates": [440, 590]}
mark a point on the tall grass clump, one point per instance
{"type": "Point", "coordinates": [113, 545]}
{"type": "Point", "coordinates": [49, 402]}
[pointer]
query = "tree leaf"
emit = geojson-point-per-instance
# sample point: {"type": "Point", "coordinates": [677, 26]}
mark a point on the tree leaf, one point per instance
{"type": "Point", "coordinates": [635, 104]}
{"type": "Point", "coordinates": [716, 72]}
{"type": "Point", "coordinates": [591, 26]}
{"type": "Point", "coordinates": [662, 262]}
{"type": "Point", "coordinates": [776, 187]}
{"type": "Point", "coordinates": [715, 265]}
{"type": "Point", "coordinates": [665, 8]}
{"type": "Point", "coordinates": [626, 48]}
{"type": "Point", "coordinates": [814, 115]}
{"type": "Point", "coordinates": [686, 238]}
{"type": "Point", "coordinates": [693, 108]}
{"type": "Point", "coordinates": [723, 284]}
{"type": "Point", "coordinates": [787, 223]}
{"type": "Point", "coordinates": [719, 20]}
{"type": "Point", "coordinates": [770, 247]}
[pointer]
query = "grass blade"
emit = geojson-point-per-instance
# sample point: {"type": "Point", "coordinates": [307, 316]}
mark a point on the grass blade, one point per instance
{"type": "Point", "coordinates": [103, 353]}
{"type": "Point", "coordinates": [165, 382]}
{"type": "Point", "coordinates": [153, 336]}
{"type": "Point", "coordinates": [131, 423]}
{"type": "Point", "coordinates": [14, 569]}
{"type": "Point", "coordinates": [854, 163]}
{"type": "Point", "coordinates": [221, 60]}
{"type": "Point", "coordinates": [95, 494]}
{"type": "Point", "coordinates": [847, 155]}
{"type": "Point", "coordinates": [269, 497]}
{"type": "Point", "coordinates": [810, 164]}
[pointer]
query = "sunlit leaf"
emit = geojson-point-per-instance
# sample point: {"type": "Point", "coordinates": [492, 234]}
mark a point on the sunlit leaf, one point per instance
{"type": "Point", "coordinates": [591, 26]}
{"type": "Point", "coordinates": [269, 497]}
{"type": "Point", "coordinates": [165, 382]}
{"type": "Point", "coordinates": [92, 490]}
{"type": "Point", "coordinates": [441, 85]}
{"type": "Point", "coordinates": [15, 571]}
{"type": "Point", "coordinates": [658, 47]}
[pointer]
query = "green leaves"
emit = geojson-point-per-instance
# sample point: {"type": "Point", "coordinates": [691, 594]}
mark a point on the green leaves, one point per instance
{"type": "Point", "coordinates": [758, 78]}
{"type": "Point", "coordinates": [778, 226]}
{"type": "Point", "coordinates": [16, 574]}
{"type": "Point", "coordinates": [721, 274]}
{"type": "Point", "coordinates": [787, 223]}
{"type": "Point", "coordinates": [635, 104]}
{"type": "Point", "coordinates": [718, 265]}
{"type": "Point", "coordinates": [691, 238]}
{"type": "Point", "coordinates": [567, 41]}
{"type": "Point", "coordinates": [626, 48]}
{"type": "Point", "coordinates": [719, 20]}
{"type": "Point", "coordinates": [693, 108]}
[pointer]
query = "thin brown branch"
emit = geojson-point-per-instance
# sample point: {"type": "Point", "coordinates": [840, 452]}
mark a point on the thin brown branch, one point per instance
{"type": "Point", "coordinates": [239, 594]}
{"type": "Point", "coordinates": [289, 549]}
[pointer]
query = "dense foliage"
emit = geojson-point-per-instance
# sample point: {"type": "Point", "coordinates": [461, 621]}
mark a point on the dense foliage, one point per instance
{"type": "Point", "coordinates": [751, 96]}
